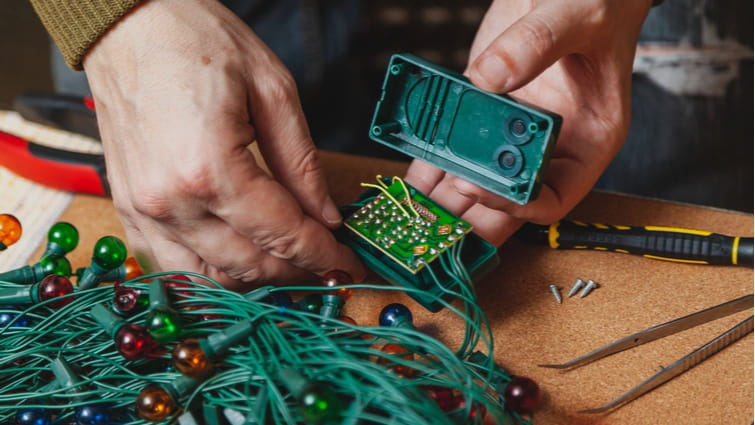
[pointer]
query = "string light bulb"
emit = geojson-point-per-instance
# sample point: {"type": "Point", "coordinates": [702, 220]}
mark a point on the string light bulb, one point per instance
{"type": "Point", "coordinates": [51, 287]}
{"type": "Point", "coordinates": [62, 238]}
{"type": "Point", "coordinates": [195, 357]}
{"type": "Point", "coordinates": [10, 230]}
{"type": "Point", "coordinates": [33, 416]}
{"type": "Point", "coordinates": [317, 402]}
{"type": "Point", "coordinates": [522, 395]}
{"type": "Point", "coordinates": [132, 341]}
{"type": "Point", "coordinates": [335, 279]}
{"type": "Point", "coordinates": [93, 414]}
{"type": "Point", "coordinates": [396, 315]}
{"type": "Point", "coordinates": [155, 404]}
{"type": "Point", "coordinates": [394, 351]}
{"type": "Point", "coordinates": [27, 275]}
{"type": "Point", "coordinates": [163, 322]}
{"type": "Point", "coordinates": [109, 254]}
{"type": "Point", "coordinates": [127, 300]}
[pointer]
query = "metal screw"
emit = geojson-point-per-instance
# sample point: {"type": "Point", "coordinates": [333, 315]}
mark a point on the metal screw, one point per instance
{"type": "Point", "coordinates": [589, 287]}
{"type": "Point", "coordinates": [578, 284]}
{"type": "Point", "coordinates": [555, 291]}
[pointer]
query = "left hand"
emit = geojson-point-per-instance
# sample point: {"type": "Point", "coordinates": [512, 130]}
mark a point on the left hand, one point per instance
{"type": "Point", "coordinates": [572, 58]}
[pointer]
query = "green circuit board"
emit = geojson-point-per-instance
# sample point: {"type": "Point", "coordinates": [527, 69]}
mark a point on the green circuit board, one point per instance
{"type": "Point", "coordinates": [407, 226]}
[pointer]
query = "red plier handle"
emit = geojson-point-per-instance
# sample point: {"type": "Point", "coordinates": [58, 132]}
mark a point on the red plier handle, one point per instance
{"type": "Point", "coordinates": [66, 170]}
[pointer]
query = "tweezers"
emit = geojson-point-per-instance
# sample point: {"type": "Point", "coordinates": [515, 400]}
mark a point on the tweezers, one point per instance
{"type": "Point", "coordinates": [669, 328]}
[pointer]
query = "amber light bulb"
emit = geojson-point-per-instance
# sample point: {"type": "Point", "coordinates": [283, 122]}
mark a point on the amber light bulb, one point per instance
{"type": "Point", "coordinates": [133, 269]}
{"type": "Point", "coordinates": [394, 351]}
{"type": "Point", "coordinates": [10, 230]}
{"type": "Point", "coordinates": [191, 360]}
{"type": "Point", "coordinates": [334, 279]}
{"type": "Point", "coordinates": [154, 404]}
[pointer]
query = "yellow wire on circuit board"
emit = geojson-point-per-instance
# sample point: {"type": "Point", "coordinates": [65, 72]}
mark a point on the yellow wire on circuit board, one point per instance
{"type": "Point", "coordinates": [408, 195]}
{"type": "Point", "coordinates": [383, 189]}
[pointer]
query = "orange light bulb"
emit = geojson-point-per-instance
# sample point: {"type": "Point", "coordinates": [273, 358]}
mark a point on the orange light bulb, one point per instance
{"type": "Point", "coordinates": [154, 404]}
{"type": "Point", "coordinates": [397, 351]}
{"type": "Point", "coordinates": [190, 360]}
{"type": "Point", "coordinates": [133, 269]}
{"type": "Point", "coordinates": [10, 230]}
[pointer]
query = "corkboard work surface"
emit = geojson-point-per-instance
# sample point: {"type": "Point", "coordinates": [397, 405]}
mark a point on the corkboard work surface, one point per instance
{"type": "Point", "coordinates": [531, 328]}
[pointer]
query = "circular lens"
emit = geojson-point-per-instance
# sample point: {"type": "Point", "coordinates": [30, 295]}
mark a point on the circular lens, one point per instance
{"type": "Point", "coordinates": [509, 160]}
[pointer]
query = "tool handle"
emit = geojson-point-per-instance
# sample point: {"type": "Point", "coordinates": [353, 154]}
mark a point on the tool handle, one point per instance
{"type": "Point", "coordinates": [60, 169]}
{"type": "Point", "coordinates": [661, 243]}
{"type": "Point", "coordinates": [70, 113]}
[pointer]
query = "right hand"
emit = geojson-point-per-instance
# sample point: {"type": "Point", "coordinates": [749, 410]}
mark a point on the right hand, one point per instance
{"type": "Point", "coordinates": [182, 87]}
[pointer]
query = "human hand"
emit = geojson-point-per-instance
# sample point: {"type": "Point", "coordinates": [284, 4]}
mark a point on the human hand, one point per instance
{"type": "Point", "coordinates": [182, 88]}
{"type": "Point", "coordinates": [573, 58]}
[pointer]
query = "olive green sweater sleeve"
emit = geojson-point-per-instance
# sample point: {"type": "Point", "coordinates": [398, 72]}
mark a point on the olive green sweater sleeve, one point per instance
{"type": "Point", "coordinates": [75, 25]}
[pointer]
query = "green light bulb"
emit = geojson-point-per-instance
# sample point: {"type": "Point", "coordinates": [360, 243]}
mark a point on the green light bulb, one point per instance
{"type": "Point", "coordinates": [62, 238]}
{"type": "Point", "coordinates": [53, 264]}
{"type": "Point", "coordinates": [109, 252]}
{"type": "Point", "coordinates": [319, 404]}
{"type": "Point", "coordinates": [163, 323]}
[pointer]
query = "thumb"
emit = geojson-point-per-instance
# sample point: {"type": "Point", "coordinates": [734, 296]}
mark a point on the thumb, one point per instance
{"type": "Point", "coordinates": [525, 49]}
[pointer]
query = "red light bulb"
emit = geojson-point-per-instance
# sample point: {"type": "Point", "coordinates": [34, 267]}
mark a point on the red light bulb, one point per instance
{"type": "Point", "coordinates": [128, 300]}
{"type": "Point", "coordinates": [10, 230]}
{"type": "Point", "coordinates": [54, 286]}
{"type": "Point", "coordinates": [134, 342]}
{"type": "Point", "coordinates": [335, 278]}
{"type": "Point", "coordinates": [522, 395]}
{"type": "Point", "coordinates": [443, 396]}
{"type": "Point", "coordinates": [154, 404]}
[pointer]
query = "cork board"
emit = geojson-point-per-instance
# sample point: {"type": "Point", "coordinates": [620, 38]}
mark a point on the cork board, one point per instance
{"type": "Point", "coordinates": [531, 328]}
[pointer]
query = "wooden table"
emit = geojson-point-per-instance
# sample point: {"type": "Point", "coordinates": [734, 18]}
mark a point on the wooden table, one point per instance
{"type": "Point", "coordinates": [531, 328]}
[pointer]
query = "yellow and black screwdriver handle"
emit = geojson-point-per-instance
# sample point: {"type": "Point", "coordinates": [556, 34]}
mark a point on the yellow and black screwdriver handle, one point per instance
{"type": "Point", "coordinates": [660, 243]}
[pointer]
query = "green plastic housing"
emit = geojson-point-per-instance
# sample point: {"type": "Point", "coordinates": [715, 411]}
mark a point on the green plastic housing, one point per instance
{"type": "Point", "coordinates": [438, 116]}
{"type": "Point", "coordinates": [478, 257]}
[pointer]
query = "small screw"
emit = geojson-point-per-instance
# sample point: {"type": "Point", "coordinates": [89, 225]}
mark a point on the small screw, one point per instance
{"type": "Point", "coordinates": [555, 291]}
{"type": "Point", "coordinates": [589, 287]}
{"type": "Point", "coordinates": [578, 284]}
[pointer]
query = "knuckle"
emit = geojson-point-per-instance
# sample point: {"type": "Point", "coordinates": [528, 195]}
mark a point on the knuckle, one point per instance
{"type": "Point", "coordinates": [283, 244]}
{"type": "Point", "coordinates": [537, 32]}
{"type": "Point", "coordinates": [308, 164]}
{"type": "Point", "coordinates": [195, 180]}
{"type": "Point", "coordinates": [152, 202]}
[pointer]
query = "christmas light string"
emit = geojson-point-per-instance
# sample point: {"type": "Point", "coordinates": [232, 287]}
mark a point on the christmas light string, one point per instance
{"type": "Point", "coordinates": [286, 366]}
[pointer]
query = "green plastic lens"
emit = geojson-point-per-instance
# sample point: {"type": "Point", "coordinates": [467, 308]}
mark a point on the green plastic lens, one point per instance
{"type": "Point", "coordinates": [53, 264]}
{"type": "Point", "coordinates": [64, 235]}
{"type": "Point", "coordinates": [109, 252]}
{"type": "Point", "coordinates": [319, 404]}
{"type": "Point", "coordinates": [163, 323]}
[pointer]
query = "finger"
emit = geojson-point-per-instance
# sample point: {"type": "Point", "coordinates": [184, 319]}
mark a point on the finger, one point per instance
{"type": "Point", "coordinates": [261, 210]}
{"type": "Point", "coordinates": [492, 225]}
{"type": "Point", "coordinates": [527, 47]}
{"type": "Point", "coordinates": [568, 181]}
{"type": "Point", "coordinates": [445, 194]}
{"type": "Point", "coordinates": [239, 263]}
{"type": "Point", "coordinates": [423, 176]}
{"type": "Point", "coordinates": [286, 144]}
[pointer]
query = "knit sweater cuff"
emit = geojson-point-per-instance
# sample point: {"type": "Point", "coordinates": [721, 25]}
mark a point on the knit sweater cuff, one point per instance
{"type": "Point", "coordinates": [75, 25]}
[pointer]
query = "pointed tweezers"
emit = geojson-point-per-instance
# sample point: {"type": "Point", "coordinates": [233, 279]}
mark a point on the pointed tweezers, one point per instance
{"type": "Point", "coordinates": [666, 329]}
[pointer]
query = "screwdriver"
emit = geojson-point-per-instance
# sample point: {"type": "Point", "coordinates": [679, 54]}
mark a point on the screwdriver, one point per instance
{"type": "Point", "coordinates": [657, 242]}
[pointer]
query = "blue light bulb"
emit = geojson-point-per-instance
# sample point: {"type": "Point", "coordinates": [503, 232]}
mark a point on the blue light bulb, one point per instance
{"type": "Point", "coordinates": [394, 315]}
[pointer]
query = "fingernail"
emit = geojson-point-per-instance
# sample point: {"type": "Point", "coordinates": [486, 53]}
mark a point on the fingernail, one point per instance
{"type": "Point", "coordinates": [330, 212]}
{"type": "Point", "coordinates": [493, 71]}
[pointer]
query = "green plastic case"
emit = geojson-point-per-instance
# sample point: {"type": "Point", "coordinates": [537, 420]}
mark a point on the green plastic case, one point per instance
{"type": "Point", "coordinates": [438, 116]}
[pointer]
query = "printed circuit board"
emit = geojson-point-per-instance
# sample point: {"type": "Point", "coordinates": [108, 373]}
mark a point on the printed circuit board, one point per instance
{"type": "Point", "coordinates": [407, 226]}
